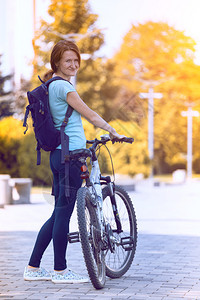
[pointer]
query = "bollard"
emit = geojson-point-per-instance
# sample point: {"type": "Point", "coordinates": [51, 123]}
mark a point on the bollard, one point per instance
{"type": "Point", "coordinates": [21, 190]}
{"type": "Point", "coordinates": [5, 190]}
{"type": "Point", "coordinates": [179, 176]}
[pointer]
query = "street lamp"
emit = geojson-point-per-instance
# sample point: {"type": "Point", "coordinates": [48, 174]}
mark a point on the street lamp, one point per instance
{"type": "Point", "coordinates": [150, 96]}
{"type": "Point", "coordinates": [189, 114]}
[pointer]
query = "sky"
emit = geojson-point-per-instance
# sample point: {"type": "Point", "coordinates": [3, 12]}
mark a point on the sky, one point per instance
{"type": "Point", "coordinates": [117, 16]}
{"type": "Point", "coordinates": [115, 19]}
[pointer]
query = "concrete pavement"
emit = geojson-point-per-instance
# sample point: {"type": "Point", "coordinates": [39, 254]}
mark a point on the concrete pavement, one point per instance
{"type": "Point", "coordinates": [166, 264]}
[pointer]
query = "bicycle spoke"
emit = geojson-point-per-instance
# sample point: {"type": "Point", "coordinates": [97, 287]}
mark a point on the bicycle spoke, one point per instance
{"type": "Point", "coordinates": [119, 260]}
{"type": "Point", "coordinates": [88, 222]}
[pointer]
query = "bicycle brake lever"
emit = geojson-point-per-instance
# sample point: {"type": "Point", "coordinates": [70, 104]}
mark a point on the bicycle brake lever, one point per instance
{"type": "Point", "coordinates": [105, 137]}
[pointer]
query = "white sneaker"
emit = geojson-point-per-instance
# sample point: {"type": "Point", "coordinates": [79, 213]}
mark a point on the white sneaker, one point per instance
{"type": "Point", "coordinates": [39, 274]}
{"type": "Point", "coordinates": [69, 277]}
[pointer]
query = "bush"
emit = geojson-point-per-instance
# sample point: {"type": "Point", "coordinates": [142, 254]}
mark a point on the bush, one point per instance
{"type": "Point", "coordinates": [18, 154]}
{"type": "Point", "coordinates": [127, 159]}
{"type": "Point", "coordinates": [27, 159]}
{"type": "Point", "coordinates": [10, 139]}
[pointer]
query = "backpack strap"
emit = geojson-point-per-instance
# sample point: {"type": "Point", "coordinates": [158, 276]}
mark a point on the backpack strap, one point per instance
{"type": "Point", "coordinates": [47, 83]}
{"type": "Point", "coordinates": [64, 139]}
{"type": "Point", "coordinates": [26, 117]}
{"type": "Point", "coordinates": [38, 154]}
{"type": "Point", "coordinates": [65, 149]}
{"type": "Point", "coordinates": [62, 132]}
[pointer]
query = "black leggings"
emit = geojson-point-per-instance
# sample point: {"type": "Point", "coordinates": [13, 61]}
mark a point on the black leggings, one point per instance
{"type": "Point", "coordinates": [57, 226]}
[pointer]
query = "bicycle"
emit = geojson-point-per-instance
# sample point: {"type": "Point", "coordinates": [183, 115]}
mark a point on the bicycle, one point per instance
{"type": "Point", "coordinates": [106, 219]}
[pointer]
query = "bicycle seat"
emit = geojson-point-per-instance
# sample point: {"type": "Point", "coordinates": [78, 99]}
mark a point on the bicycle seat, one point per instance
{"type": "Point", "coordinates": [80, 153]}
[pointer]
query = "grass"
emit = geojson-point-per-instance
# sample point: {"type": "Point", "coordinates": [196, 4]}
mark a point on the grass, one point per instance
{"type": "Point", "coordinates": [164, 178]}
{"type": "Point", "coordinates": [40, 189]}
{"type": "Point", "coordinates": [167, 178]}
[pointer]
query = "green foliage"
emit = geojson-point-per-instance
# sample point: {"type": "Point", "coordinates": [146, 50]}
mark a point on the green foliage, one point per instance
{"type": "Point", "coordinates": [27, 157]}
{"type": "Point", "coordinates": [18, 154]}
{"type": "Point", "coordinates": [146, 49]}
{"type": "Point", "coordinates": [152, 54]}
{"type": "Point", "coordinates": [97, 87]}
{"type": "Point", "coordinates": [156, 54]}
{"type": "Point", "coordinates": [3, 79]}
{"type": "Point", "coordinates": [75, 20]}
{"type": "Point", "coordinates": [69, 20]}
{"type": "Point", "coordinates": [10, 137]}
{"type": "Point", "coordinates": [128, 159]}
{"type": "Point", "coordinates": [6, 97]}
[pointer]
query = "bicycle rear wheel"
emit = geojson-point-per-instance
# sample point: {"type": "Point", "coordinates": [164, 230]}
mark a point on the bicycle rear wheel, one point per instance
{"type": "Point", "coordinates": [90, 236]}
{"type": "Point", "coordinates": [119, 260]}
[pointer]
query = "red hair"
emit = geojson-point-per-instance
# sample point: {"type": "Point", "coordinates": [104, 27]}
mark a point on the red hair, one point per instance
{"type": "Point", "coordinates": [57, 53]}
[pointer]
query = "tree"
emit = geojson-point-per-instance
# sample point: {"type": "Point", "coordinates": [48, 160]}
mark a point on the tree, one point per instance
{"type": "Point", "coordinates": [6, 99]}
{"type": "Point", "coordinates": [10, 137]}
{"type": "Point", "coordinates": [12, 102]}
{"type": "Point", "coordinates": [95, 81]}
{"type": "Point", "coordinates": [96, 85]}
{"type": "Point", "coordinates": [156, 54]}
{"type": "Point", "coordinates": [73, 20]}
{"type": "Point", "coordinates": [148, 47]}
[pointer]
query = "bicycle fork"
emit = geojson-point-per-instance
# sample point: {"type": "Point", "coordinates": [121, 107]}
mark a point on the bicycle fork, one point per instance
{"type": "Point", "coordinates": [111, 187]}
{"type": "Point", "coordinates": [126, 242]}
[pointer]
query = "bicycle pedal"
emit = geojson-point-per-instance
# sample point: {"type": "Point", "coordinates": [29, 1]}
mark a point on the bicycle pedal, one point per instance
{"type": "Point", "coordinates": [127, 243]}
{"type": "Point", "coordinates": [73, 237]}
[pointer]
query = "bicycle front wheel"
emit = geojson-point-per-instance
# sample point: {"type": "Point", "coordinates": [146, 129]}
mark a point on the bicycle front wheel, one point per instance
{"type": "Point", "coordinates": [90, 236]}
{"type": "Point", "coordinates": [120, 259]}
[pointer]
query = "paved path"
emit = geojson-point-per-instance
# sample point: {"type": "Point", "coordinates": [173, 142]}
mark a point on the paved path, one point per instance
{"type": "Point", "coordinates": [167, 261]}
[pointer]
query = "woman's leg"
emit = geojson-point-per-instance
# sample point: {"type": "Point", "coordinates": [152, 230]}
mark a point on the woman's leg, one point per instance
{"type": "Point", "coordinates": [57, 227]}
{"type": "Point", "coordinates": [43, 239]}
{"type": "Point", "coordinates": [63, 211]}
{"type": "Point", "coordinates": [45, 234]}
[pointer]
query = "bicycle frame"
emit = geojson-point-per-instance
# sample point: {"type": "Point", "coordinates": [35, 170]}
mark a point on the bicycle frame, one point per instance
{"type": "Point", "coordinates": [94, 180]}
{"type": "Point", "coordinates": [94, 185]}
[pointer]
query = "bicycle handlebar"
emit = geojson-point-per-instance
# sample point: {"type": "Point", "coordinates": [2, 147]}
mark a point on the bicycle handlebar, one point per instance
{"type": "Point", "coordinates": [106, 138]}
{"type": "Point", "coordinates": [91, 151]}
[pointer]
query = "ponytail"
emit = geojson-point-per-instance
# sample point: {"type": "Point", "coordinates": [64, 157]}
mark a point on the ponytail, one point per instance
{"type": "Point", "coordinates": [48, 75]}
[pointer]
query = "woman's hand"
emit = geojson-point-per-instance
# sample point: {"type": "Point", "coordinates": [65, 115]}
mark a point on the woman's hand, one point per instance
{"type": "Point", "coordinates": [116, 135]}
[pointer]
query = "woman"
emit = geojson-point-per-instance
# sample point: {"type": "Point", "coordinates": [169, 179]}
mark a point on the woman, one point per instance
{"type": "Point", "coordinates": [65, 62]}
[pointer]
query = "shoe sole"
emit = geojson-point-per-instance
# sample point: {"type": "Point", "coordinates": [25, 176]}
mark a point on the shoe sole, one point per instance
{"type": "Point", "coordinates": [70, 281]}
{"type": "Point", "coordinates": [36, 279]}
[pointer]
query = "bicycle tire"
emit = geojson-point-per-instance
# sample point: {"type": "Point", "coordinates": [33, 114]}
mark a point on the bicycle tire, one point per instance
{"type": "Point", "coordinates": [118, 262]}
{"type": "Point", "coordinates": [92, 252]}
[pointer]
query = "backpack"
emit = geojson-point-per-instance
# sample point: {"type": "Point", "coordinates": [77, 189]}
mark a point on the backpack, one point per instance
{"type": "Point", "coordinates": [47, 136]}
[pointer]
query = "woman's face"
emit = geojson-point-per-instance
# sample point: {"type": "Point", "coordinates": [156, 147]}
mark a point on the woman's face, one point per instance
{"type": "Point", "coordinates": [68, 65]}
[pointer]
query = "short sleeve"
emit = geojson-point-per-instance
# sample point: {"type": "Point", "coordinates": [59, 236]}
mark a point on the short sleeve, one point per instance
{"type": "Point", "coordinates": [62, 88]}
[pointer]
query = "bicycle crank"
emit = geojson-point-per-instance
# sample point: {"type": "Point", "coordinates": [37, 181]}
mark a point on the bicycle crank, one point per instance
{"type": "Point", "coordinates": [96, 236]}
{"type": "Point", "coordinates": [111, 239]}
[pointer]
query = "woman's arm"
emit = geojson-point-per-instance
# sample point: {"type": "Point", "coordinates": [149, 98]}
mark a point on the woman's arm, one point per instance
{"type": "Point", "coordinates": [77, 103]}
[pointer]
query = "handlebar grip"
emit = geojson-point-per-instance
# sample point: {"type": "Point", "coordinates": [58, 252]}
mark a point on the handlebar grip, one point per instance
{"type": "Point", "coordinates": [128, 140]}
{"type": "Point", "coordinates": [125, 139]}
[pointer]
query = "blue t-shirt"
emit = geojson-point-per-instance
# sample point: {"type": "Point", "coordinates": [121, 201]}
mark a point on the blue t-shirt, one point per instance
{"type": "Point", "coordinates": [58, 91]}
